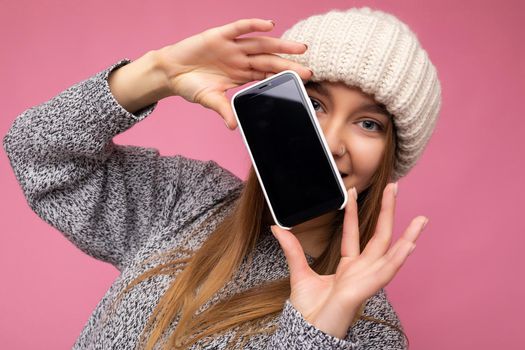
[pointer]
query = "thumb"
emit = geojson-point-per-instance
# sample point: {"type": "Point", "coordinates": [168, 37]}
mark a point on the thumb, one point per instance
{"type": "Point", "coordinates": [295, 257]}
{"type": "Point", "coordinates": [220, 104]}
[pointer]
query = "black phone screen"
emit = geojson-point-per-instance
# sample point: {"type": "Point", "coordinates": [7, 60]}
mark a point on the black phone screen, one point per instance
{"type": "Point", "coordinates": [288, 152]}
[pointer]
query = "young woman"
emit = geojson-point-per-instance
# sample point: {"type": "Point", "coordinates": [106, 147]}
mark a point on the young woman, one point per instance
{"type": "Point", "coordinates": [199, 267]}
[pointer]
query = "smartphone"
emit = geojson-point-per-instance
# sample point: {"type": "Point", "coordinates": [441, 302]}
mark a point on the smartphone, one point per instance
{"type": "Point", "coordinates": [289, 152]}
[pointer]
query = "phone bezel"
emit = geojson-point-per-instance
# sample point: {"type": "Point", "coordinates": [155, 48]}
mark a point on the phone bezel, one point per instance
{"type": "Point", "coordinates": [311, 110]}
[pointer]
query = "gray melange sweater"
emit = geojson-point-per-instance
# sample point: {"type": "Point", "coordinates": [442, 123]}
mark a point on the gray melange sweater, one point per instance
{"type": "Point", "coordinates": [122, 203]}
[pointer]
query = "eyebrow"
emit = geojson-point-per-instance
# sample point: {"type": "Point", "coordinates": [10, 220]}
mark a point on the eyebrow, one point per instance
{"type": "Point", "coordinates": [368, 107]}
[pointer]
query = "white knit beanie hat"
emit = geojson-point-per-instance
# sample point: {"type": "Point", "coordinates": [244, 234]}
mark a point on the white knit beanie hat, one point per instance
{"type": "Point", "coordinates": [378, 53]}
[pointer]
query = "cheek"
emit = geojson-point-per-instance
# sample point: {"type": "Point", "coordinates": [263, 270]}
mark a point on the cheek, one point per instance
{"type": "Point", "coordinates": [366, 156]}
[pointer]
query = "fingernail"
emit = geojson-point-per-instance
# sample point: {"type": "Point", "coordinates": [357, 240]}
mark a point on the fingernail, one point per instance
{"type": "Point", "coordinates": [273, 231]}
{"type": "Point", "coordinates": [411, 249]}
{"type": "Point", "coordinates": [395, 189]}
{"type": "Point", "coordinates": [305, 45]}
{"type": "Point", "coordinates": [271, 20]}
{"type": "Point", "coordinates": [311, 71]}
{"type": "Point", "coordinates": [226, 124]}
{"type": "Point", "coordinates": [354, 193]}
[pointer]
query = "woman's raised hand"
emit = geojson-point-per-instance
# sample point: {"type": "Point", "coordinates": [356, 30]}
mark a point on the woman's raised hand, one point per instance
{"type": "Point", "coordinates": [330, 302]}
{"type": "Point", "coordinates": [202, 67]}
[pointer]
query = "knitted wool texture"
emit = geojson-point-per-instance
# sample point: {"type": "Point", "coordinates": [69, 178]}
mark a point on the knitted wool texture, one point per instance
{"type": "Point", "coordinates": [378, 53]}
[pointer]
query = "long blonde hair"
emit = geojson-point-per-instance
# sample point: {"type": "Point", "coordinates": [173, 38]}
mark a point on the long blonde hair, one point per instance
{"type": "Point", "coordinates": [204, 272]}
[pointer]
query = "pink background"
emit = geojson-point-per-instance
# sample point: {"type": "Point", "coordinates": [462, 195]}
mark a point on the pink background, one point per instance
{"type": "Point", "coordinates": [463, 286]}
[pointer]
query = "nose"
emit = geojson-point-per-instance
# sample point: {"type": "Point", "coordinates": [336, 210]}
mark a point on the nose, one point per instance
{"type": "Point", "coordinates": [332, 130]}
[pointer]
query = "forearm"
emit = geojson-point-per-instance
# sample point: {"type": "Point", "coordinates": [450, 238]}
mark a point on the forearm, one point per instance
{"type": "Point", "coordinates": [139, 83]}
{"type": "Point", "coordinates": [74, 177]}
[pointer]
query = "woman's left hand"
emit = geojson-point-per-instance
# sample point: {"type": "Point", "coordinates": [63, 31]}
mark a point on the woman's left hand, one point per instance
{"type": "Point", "coordinates": [330, 302]}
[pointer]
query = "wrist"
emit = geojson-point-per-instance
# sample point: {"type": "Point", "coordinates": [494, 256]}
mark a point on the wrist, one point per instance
{"type": "Point", "coordinates": [139, 83]}
{"type": "Point", "coordinates": [333, 319]}
{"type": "Point", "coordinates": [153, 64]}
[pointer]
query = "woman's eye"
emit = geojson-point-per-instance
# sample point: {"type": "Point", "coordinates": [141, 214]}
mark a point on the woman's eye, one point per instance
{"type": "Point", "coordinates": [315, 104]}
{"type": "Point", "coordinates": [367, 123]}
{"type": "Point", "coordinates": [371, 122]}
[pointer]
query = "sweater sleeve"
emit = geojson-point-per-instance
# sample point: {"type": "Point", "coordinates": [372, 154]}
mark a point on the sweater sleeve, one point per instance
{"type": "Point", "coordinates": [105, 198]}
{"type": "Point", "coordinates": [294, 332]}
{"type": "Point", "coordinates": [374, 335]}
